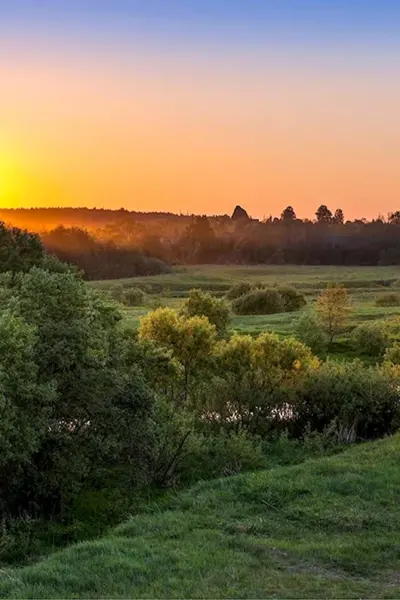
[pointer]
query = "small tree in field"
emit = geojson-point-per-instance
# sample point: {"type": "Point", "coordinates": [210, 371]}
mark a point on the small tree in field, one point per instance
{"type": "Point", "coordinates": [333, 307]}
{"type": "Point", "coordinates": [191, 340]}
{"type": "Point", "coordinates": [216, 310]}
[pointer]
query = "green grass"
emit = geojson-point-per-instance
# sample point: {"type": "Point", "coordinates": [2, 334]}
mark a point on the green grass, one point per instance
{"type": "Point", "coordinates": [220, 278]}
{"type": "Point", "coordinates": [328, 528]}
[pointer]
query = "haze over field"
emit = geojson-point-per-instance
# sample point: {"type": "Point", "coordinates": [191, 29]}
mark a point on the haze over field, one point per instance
{"type": "Point", "coordinates": [198, 105]}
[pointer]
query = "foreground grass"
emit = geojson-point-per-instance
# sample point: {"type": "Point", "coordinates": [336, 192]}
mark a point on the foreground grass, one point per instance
{"type": "Point", "coordinates": [323, 529]}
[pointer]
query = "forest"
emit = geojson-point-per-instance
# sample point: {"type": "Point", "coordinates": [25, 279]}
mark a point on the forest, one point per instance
{"type": "Point", "coordinates": [108, 244]}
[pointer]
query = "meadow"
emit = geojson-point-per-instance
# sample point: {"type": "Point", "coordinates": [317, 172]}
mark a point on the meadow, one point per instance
{"type": "Point", "coordinates": [364, 285]}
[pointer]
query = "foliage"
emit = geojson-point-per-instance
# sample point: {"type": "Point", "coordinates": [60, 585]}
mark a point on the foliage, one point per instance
{"type": "Point", "coordinates": [202, 304]}
{"type": "Point", "coordinates": [390, 299]}
{"type": "Point", "coordinates": [370, 338]}
{"type": "Point", "coordinates": [116, 292]}
{"type": "Point", "coordinates": [70, 407]}
{"type": "Point", "coordinates": [259, 302]}
{"type": "Point", "coordinates": [333, 307]}
{"type": "Point", "coordinates": [19, 249]}
{"type": "Point", "coordinates": [361, 402]}
{"type": "Point", "coordinates": [256, 378]}
{"type": "Point", "coordinates": [238, 290]}
{"type": "Point", "coordinates": [190, 339]}
{"type": "Point", "coordinates": [292, 298]}
{"type": "Point", "coordinates": [133, 296]}
{"type": "Point", "coordinates": [392, 354]}
{"type": "Point", "coordinates": [310, 331]}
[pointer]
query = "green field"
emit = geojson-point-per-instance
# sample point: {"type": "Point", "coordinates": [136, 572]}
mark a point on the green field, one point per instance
{"type": "Point", "coordinates": [364, 284]}
{"type": "Point", "coordinates": [328, 528]}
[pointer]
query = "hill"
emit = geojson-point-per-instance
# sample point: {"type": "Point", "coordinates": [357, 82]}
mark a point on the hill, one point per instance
{"type": "Point", "coordinates": [326, 528]}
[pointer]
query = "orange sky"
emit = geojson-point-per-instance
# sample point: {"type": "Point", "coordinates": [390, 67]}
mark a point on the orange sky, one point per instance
{"type": "Point", "coordinates": [192, 133]}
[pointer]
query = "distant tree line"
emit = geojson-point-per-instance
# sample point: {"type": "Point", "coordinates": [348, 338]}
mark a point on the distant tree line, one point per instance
{"type": "Point", "coordinates": [111, 244]}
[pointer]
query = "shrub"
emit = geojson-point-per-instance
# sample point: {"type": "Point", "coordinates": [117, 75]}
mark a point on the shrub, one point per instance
{"type": "Point", "coordinates": [392, 354]}
{"type": "Point", "coordinates": [116, 292]}
{"type": "Point", "coordinates": [358, 402]}
{"type": "Point", "coordinates": [370, 338]}
{"type": "Point", "coordinates": [259, 302]}
{"type": "Point", "coordinates": [391, 299]}
{"type": "Point", "coordinates": [201, 304]}
{"type": "Point", "coordinates": [293, 299]}
{"type": "Point", "coordinates": [133, 296]}
{"type": "Point", "coordinates": [239, 289]}
{"type": "Point", "coordinates": [310, 331]}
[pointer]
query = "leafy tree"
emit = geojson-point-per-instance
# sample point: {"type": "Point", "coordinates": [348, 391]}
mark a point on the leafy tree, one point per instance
{"type": "Point", "coordinates": [370, 338]}
{"type": "Point", "coordinates": [338, 218]}
{"type": "Point", "coordinates": [239, 214]}
{"type": "Point", "coordinates": [288, 215]}
{"type": "Point", "coordinates": [202, 304]}
{"type": "Point", "coordinates": [96, 408]}
{"type": "Point", "coordinates": [323, 214]}
{"type": "Point", "coordinates": [394, 217]}
{"type": "Point", "coordinates": [191, 340]}
{"type": "Point", "coordinates": [333, 307]}
{"type": "Point", "coordinates": [19, 249]}
{"type": "Point", "coordinates": [255, 379]}
{"type": "Point", "coordinates": [354, 401]}
{"type": "Point", "coordinates": [310, 331]}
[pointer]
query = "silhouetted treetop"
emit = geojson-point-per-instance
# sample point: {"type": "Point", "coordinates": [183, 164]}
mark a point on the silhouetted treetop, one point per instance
{"type": "Point", "coordinates": [288, 214]}
{"type": "Point", "coordinates": [323, 214]}
{"type": "Point", "coordinates": [239, 214]}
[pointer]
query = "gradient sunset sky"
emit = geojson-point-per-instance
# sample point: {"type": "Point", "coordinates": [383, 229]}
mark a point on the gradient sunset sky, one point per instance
{"type": "Point", "coordinates": [197, 105]}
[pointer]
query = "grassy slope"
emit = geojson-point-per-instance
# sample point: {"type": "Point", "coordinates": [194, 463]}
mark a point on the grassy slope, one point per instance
{"type": "Point", "coordinates": [326, 528]}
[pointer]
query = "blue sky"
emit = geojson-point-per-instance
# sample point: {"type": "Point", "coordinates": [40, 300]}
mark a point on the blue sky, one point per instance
{"type": "Point", "coordinates": [303, 20]}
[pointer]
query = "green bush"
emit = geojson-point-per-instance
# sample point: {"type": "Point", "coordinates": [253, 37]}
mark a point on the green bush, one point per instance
{"type": "Point", "coordinates": [370, 338]}
{"type": "Point", "coordinates": [259, 302]}
{"type": "Point", "coordinates": [133, 296]}
{"type": "Point", "coordinates": [358, 402]}
{"type": "Point", "coordinates": [293, 299]}
{"type": "Point", "coordinates": [239, 289]}
{"type": "Point", "coordinates": [392, 354]}
{"type": "Point", "coordinates": [310, 331]}
{"type": "Point", "coordinates": [391, 299]}
{"type": "Point", "coordinates": [202, 304]}
{"type": "Point", "coordinates": [116, 292]}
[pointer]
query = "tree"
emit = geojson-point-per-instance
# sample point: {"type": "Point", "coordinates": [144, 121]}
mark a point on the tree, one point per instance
{"type": "Point", "coordinates": [89, 409]}
{"type": "Point", "coordinates": [202, 304]}
{"type": "Point", "coordinates": [239, 214]}
{"type": "Point", "coordinates": [288, 215]}
{"type": "Point", "coordinates": [323, 214]}
{"type": "Point", "coordinates": [394, 217]}
{"type": "Point", "coordinates": [190, 339]}
{"type": "Point", "coordinates": [19, 249]}
{"type": "Point", "coordinates": [338, 218]}
{"type": "Point", "coordinates": [310, 331]}
{"type": "Point", "coordinates": [255, 379]}
{"type": "Point", "coordinates": [333, 307]}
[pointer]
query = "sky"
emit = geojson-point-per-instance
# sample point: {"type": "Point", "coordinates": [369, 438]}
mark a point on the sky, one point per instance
{"type": "Point", "coordinates": [198, 105]}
